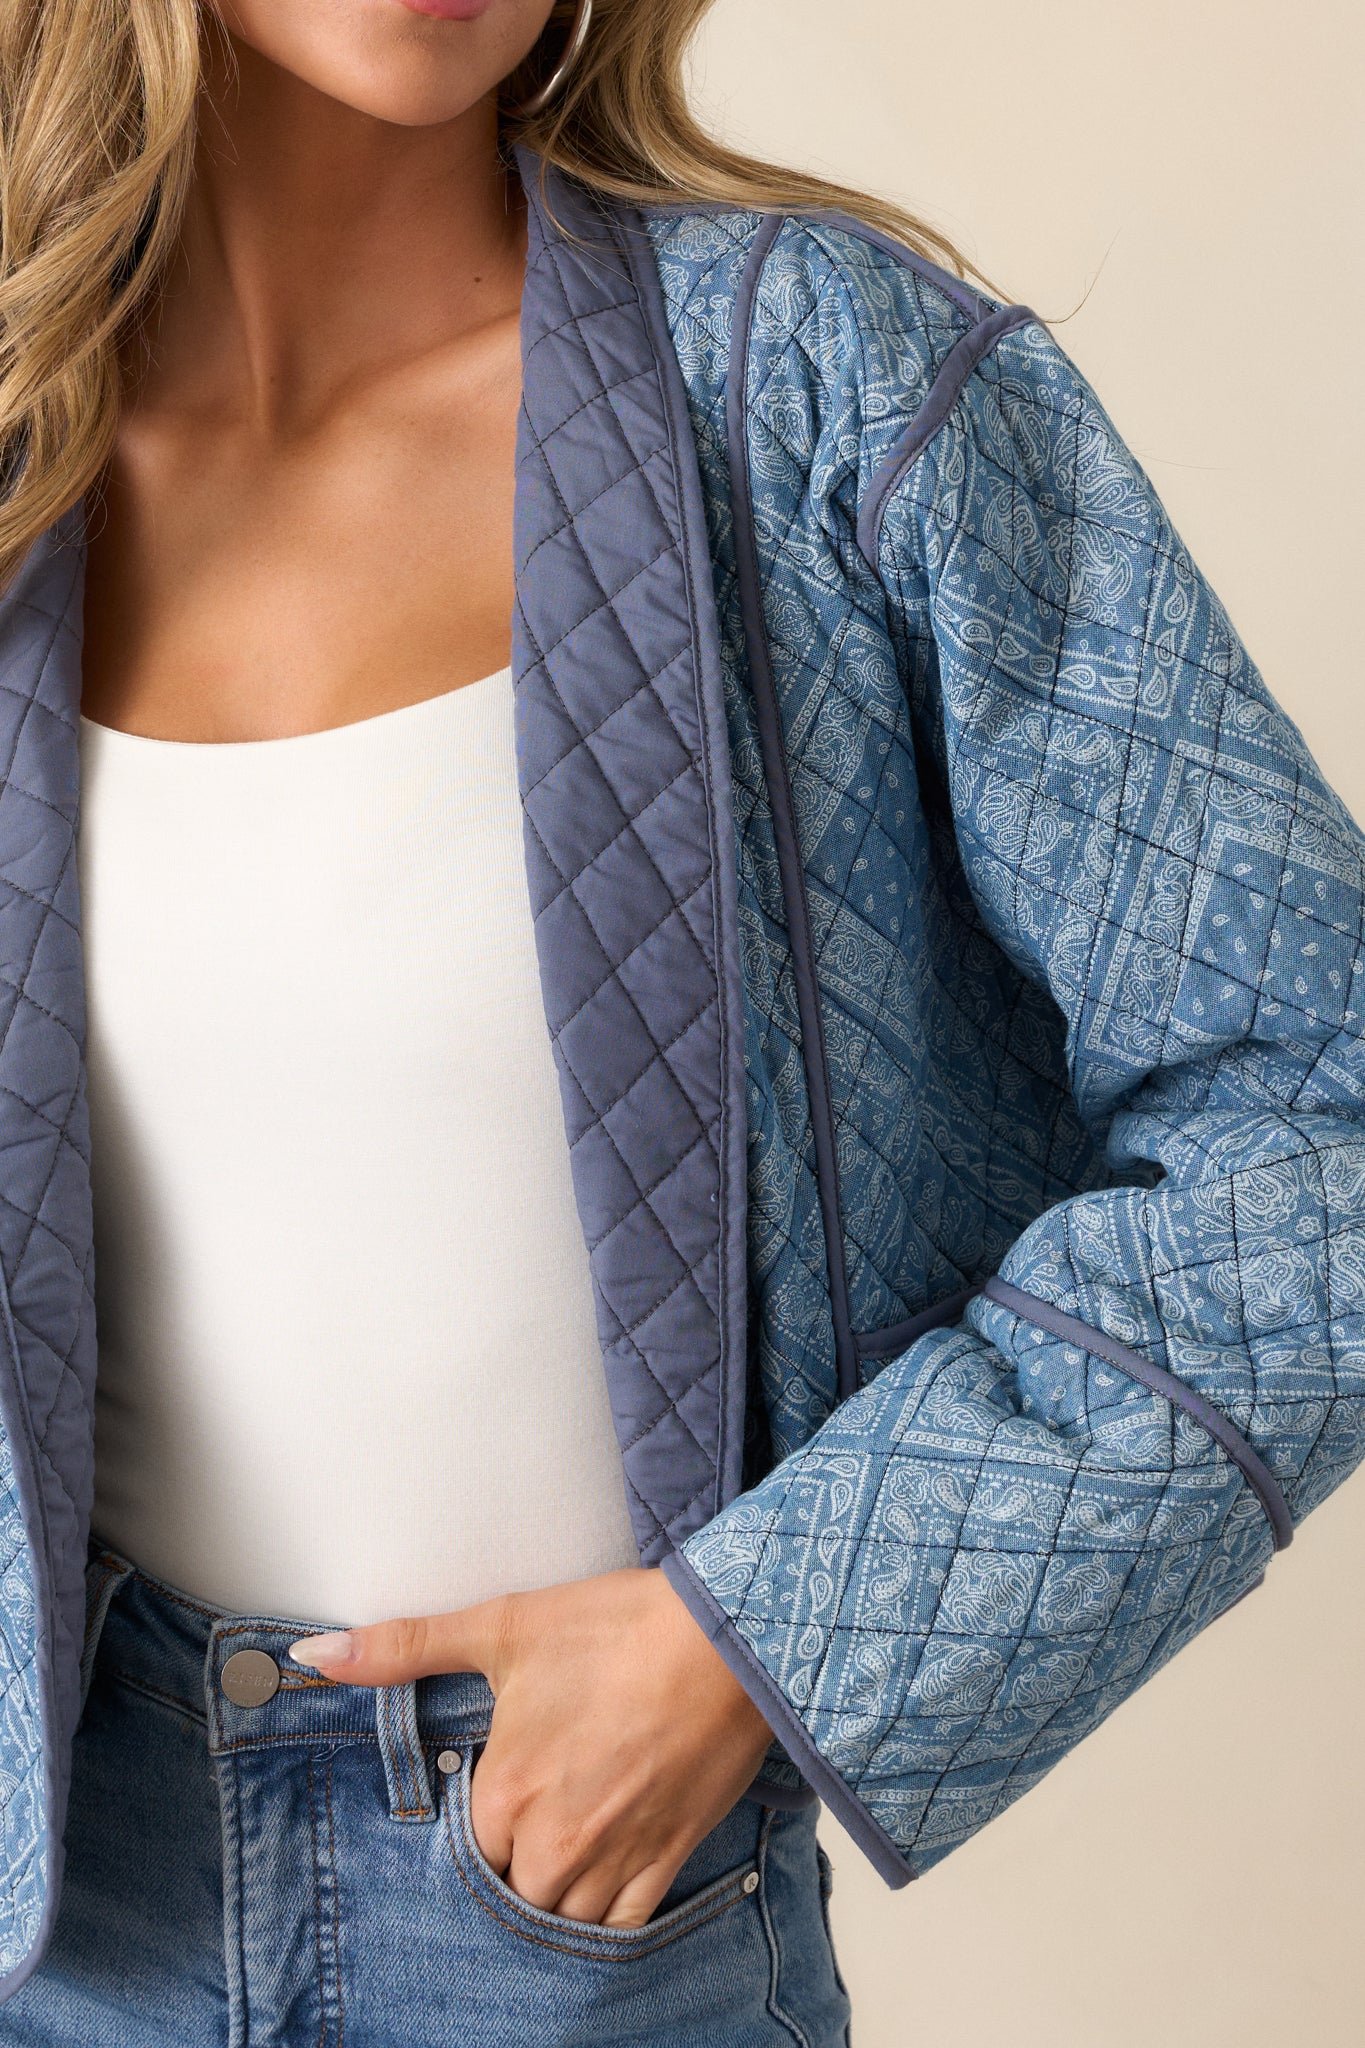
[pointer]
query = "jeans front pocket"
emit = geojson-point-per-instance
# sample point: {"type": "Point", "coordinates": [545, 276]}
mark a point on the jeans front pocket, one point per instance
{"type": "Point", "coordinates": [687, 1907]}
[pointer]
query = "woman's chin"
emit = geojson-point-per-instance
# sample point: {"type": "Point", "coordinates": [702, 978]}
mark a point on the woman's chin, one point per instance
{"type": "Point", "coordinates": [412, 63]}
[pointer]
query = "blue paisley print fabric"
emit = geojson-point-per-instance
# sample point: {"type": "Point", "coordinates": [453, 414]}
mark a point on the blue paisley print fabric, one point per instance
{"type": "Point", "coordinates": [1087, 929]}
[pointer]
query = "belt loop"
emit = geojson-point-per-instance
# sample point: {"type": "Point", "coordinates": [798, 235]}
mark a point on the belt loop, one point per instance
{"type": "Point", "coordinates": [104, 1574]}
{"type": "Point", "coordinates": [405, 1765]}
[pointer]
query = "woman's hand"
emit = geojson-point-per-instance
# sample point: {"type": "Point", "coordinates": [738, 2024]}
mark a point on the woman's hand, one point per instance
{"type": "Point", "coordinates": [619, 1738]}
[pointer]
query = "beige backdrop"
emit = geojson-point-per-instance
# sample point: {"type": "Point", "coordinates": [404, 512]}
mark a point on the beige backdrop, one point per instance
{"type": "Point", "coordinates": [1194, 1876]}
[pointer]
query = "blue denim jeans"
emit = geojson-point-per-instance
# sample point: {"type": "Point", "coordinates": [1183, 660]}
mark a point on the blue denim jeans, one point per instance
{"type": "Point", "coordinates": [301, 1873]}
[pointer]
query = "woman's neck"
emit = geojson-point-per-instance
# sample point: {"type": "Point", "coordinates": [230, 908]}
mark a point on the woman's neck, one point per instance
{"type": "Point", "coordinates": [323, 247]}
{"type": "Point", "coordinates": [307, 517]}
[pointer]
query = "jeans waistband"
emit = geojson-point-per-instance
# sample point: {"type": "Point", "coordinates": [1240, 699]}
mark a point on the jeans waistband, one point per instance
{"type": "Point", "coordinates": [176, 1649]}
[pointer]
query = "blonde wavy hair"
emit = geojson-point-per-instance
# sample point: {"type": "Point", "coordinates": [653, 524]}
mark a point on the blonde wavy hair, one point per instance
{"type": "Point", "coordinates": [97, 131]}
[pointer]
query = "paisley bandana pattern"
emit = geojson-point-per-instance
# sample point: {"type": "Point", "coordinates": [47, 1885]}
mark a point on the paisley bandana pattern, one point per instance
{"type": "Point", "coordinates": [1087, 930]}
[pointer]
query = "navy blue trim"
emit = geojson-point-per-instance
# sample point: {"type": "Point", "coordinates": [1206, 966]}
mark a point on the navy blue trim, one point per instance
{"type": "Point", "coordinates": [772, 745]}
{"type": "Point", "coordinates": [944, 393]}
{"type": "Point", "coordinates": [876, 1345]}
{"type": "Point", "coordinates": [1030, 1308]}
{"type": "Point", "coordinates": [733, 1193]}
{"type": "Point", "coordinates": [886, 1858]}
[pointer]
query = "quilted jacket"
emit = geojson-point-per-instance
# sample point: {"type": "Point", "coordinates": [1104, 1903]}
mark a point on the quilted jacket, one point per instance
{"type": "Point", "coordinates": [952, 957]}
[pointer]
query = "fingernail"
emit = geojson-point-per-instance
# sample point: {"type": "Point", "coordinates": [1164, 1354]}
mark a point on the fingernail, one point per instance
{"type": "Point", "coordinates": [322, 1652]}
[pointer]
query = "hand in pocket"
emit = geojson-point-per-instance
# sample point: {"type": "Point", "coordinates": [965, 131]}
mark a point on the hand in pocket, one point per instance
{"type": "Point", "coordinates": [619, 1738]}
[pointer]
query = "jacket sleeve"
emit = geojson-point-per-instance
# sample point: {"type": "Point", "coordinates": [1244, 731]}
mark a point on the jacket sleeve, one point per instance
{"type": "Point", "coordinates": [1022, 1518]}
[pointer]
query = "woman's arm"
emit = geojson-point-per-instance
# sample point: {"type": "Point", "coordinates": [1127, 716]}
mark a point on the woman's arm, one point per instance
{"type": "Point", "coordinates": [983, 1553]}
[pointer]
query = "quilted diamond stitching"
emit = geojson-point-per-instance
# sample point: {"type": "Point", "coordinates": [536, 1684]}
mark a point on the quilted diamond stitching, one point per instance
{"type": "Point", "coordinates": [608, 964]}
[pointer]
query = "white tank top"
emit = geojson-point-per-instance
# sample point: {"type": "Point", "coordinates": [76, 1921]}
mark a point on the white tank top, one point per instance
{"type": "Point", "coordinates": [348, 1359]}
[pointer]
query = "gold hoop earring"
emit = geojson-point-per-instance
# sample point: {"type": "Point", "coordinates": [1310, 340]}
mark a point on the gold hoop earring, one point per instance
{"type": "Point", "coordinates": [573, 50]}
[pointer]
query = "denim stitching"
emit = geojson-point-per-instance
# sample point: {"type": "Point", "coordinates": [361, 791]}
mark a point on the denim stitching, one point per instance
{"type": "Point", "coordinates": [336, 1909]}
{"type": "Point", "coordinates": [317, 1899]}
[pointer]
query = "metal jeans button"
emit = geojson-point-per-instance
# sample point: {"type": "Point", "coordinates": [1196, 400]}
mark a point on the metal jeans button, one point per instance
{"type": "Point", "coordinates": [448, 1762]}
{"type": "Point", "coordinates": [250, 1678]}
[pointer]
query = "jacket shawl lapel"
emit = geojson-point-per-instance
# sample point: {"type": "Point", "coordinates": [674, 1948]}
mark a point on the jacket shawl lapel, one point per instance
{"type": "Point", "coordinates": [624, 767]}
